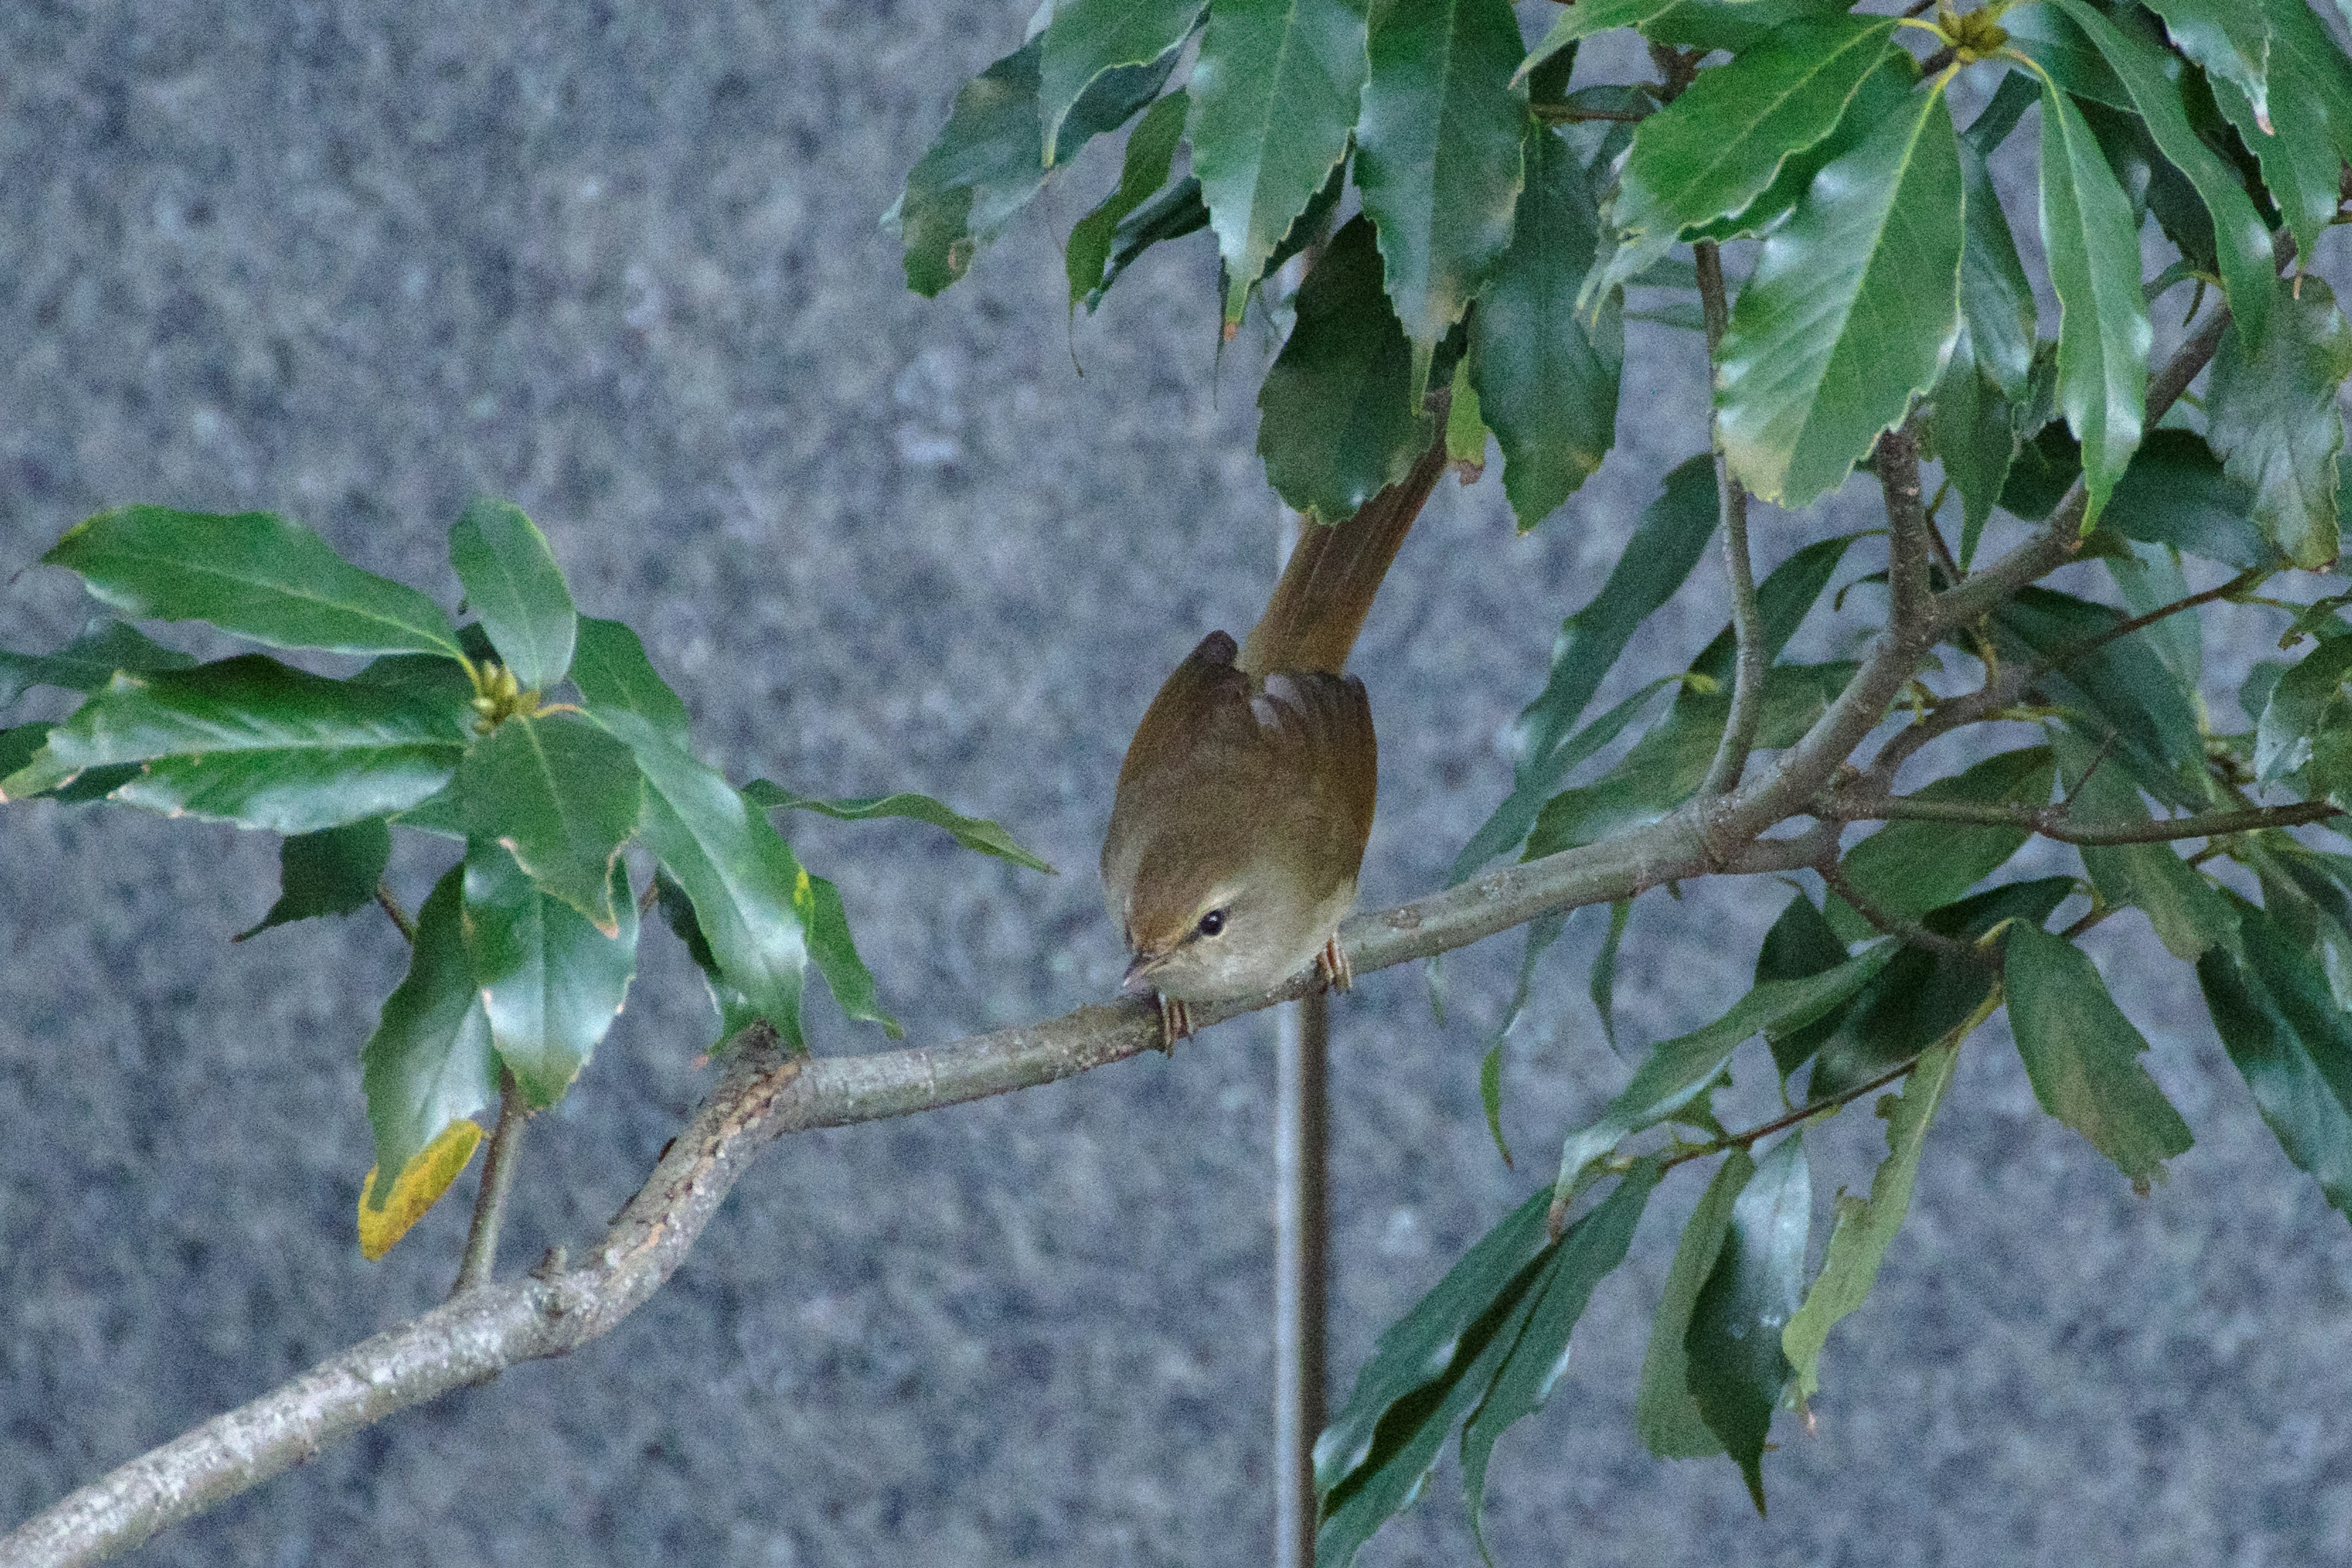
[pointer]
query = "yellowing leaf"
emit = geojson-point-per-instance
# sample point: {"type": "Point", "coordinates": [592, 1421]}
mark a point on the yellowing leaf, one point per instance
{"type": "Point", "coordinates": [384, 1217]}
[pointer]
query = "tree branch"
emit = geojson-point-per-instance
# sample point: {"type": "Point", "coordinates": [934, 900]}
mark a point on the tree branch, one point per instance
{"type": "Point", "coordinates": [481, 1256]}
{"type": "Point", "coordinates": [1731, 504]}
{"type": "Point", "coordinates": [2051, 821]}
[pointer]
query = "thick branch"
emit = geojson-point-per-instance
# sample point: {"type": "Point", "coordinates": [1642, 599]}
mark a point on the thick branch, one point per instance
{"type": "Point", "coordinates": [1738, 569]}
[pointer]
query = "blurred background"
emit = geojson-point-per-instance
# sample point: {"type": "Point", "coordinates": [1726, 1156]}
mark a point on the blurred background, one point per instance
{"type": "Point", "coordinates": [621, 264]}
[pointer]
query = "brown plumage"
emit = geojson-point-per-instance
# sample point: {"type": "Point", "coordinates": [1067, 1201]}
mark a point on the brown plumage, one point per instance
{"type": "Point", "coordinates": [1247, 793]}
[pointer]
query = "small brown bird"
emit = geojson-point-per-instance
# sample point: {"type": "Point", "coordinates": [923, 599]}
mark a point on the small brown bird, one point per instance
{"type": "Point", "coordinates": [1248, 793]}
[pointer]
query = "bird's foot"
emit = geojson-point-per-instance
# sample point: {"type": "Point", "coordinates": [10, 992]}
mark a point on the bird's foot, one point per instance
{"type": "Point", "coordinates": [1332, 964]}
{"type": "Point", "coordinates": [1175, 1022]}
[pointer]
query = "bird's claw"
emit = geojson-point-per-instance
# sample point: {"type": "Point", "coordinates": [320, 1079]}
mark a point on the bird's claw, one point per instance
{"type": "Point", "coordinates": [1332, 964]}
{"type": "Point", "coordinates": [1175, 1022]}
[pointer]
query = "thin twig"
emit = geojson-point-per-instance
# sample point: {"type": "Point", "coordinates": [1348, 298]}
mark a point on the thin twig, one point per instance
{"type": "Point", "coordinates": [1805, 1112]}
{"type": "Point", "coordinates": [2123, 628]}
{"type": "Point", "coordinates": [481, 1258]}
{"type": "Point", "coordinates": [1738, 739]}
{"type": "Point", "coordinates": [398, 916]}
{"type": "Point", "coordinates": [2051, 822]}
{"type": "Point", "coordinates": [1911, 934]}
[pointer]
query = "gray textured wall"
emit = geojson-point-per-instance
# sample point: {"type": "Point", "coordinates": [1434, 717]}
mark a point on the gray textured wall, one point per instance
{"type": "Point", "coordinates": [357, 262]}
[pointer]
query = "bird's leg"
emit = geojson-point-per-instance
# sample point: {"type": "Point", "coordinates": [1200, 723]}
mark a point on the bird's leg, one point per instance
{"type": "Point", "coordinates": [1175, 1022]}
{"type": "Point", "coordinates": [1332, 964]}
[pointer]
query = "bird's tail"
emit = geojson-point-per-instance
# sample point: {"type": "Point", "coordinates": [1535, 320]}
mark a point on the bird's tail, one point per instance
{"type": "Point", "coordinates": [1327, 588]}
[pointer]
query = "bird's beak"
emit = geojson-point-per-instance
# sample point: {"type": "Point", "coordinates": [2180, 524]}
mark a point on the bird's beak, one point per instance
{"type": "Point", "coordinates": [1137, 978]}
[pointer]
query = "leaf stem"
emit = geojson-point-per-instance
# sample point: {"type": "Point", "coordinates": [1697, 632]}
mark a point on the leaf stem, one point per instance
{"type": "Point", "coordinates": [393, 912]}
{"type": "Point", "coordinates": [1738, 568]}
{"type": "Point", "coordinates": [1911, 934]}
{"type": "Point", "coordinates": [498, 1180]}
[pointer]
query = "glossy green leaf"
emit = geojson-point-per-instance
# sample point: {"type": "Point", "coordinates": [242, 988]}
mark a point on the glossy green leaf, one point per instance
{"type": "Point", "coordinates": [2152, 580]}
{"type": "Point", "coordinates": [2271, 413]}
{"type": "Point", "coordinates": [2187, 914]}
{"type": "Point", "coordinates": [1908, 867]}
{"type": "Point", "coordinates": [513, 584]}
{"type": "Point", "coordinates": [1736, 25]}
{"type": "Point", "coordinates": [1736, 1366]}
{"type": "Point", "coordinates": [551, 983]}
{"type": "Point", "coordinates": [1921, 997]}
{"type": "Point", "coordinates": [2230, 39]}
{"type": "Point", "coordinates": [104, 646]}
{"type": "Point", "coordinates": [2177, 492]}
{"type": "Point", "coordinates": [429, 1060]}
{"type": "Point", "coordinates": [1976, 437]}
{"type": "Point", "coordinates": [331, 872]}
{"type": "Point", "coordinates": [1800, 944]}
{"type": "Point", "coordinates": [1585, 1255]}
{"type": "Point", "coordinates": [1438, 155]}
{"type": "Point", "coordinates": [1171, 215]}
{"type": "Point", "coordinates": [562, 795]}
{"type": "Point", "coordinates": [972, 832]}
{"type": "Point", "coordinates": [2290, 1043]}
{"type": "Point", "coordinates": [255, 574]}
{"type": "Point", "coordinates": [612, 670]}
{"type": "Point", "coordinates": [1151, 150]}
{"type": "Point", "coordinates": [1275, 92]}
{"type": "Point", "coordinates": [742, 878]}
{"type": "Point", "coordinates": [1867, 1226]}
{"type": "Point", "coordinates": [1090, 39]}
{"type": "Point", "coordinates": [1996, 300]}
{"type": "Point", "coordinates": [988, 159]}
{"type": "Point", "coordinates": [252, 742]}
{"type": "Point", "coordinates": [1849, 312]}
{"type": "Point", "coordinates": [2299, 704]}
{"type": "Point", "coordinates": [1665, 1414]}
{"type": "Point", "coordinates": [1666, 544]}
{"type": "Point", "coordinates": [1716, 148]}
{"type": "Point", "coordinates": [2081, 1054]}
{"type": "Point", "coordinates": [735, 1013]}
{"type": "Point", "coordinates": [2298, 150]}
{"type": "Point", "coordinates": [2093, 247]}
{"type": "Point", "coordinates": [1581, 21]}
{"type": "Point", "coordinates": [1677, 1071]}
{"type": "Point", "coordinates": [1885, 91]}
{"type": "Point", "coordinates": [1339, 421]}
{"type": "Point", "coordinates": [1547, 378]}
{"type": "Point", "coordinates": [2048, 36]}
{"type": "Point", "coordinates": [2120, 688]}
{"type": "Point", "coordinates": [835, 953]}
{"type": "Point", "coordinates": [2240, 239]}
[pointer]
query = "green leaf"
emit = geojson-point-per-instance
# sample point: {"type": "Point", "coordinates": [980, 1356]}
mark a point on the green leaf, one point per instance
{"type": "Point", "coordinates": [1849, 312]}
{"type": "Point", "coordinates": [1867, 1226]}
{"type": "Point", "coordinates": [2187, 914]}
{"type": "Point", "coordinates": [1171, 215]}
{"type": "Point", "coordinates": [612, 671]}
{"type": "Point", "coordinates": [513, 583]}
{"type": "Point", "coordinates": [1737, 1369]}
{"type": "Point", "coordinates": [1677, 1071]}
{"type": "Point", "coordinates": [1090, 39]}
{"type": "Point", "coordinates": [1340, 422]}
{"type": "Point", "coordinates": [742, 878]}
{"type": "Point", "coordinates": [1601, 985]}
{"type": "Point", "coordinates": [551, 983]}
{"type": "Point", "coordinates": [1996, 300]}
{"type": "Point", "coordinates": [2093, 247]}
{"type": "Point", "coordinates": [1666, 544]}
{"type": "Point", "coordinates": [1465, 428]}
{"type": "Point", "coordinates": [1273, 98]}
{"type": "Point", "coordinates": [2120, 688]}
{"type": "Point", "coordinates": [1976, 437]}
{"type": "Point", "coordinates": [1583, 20]}
{"type": "Point", "coordinates": [2298, 149]}
{"type": "Point", "coordinates": [90, 661]}
{"type": "Point", "coordinates": [1718, 147]}
{"type": "Point", "coordinates": [1920, 997]}
{"type": "Point", "coordinates": [1438, 156]}
{"type": "Point", "coordinates": [1884, 89]}
{"type": "Point", "coordinates": [255, 574]}
{"type": "Point", "coordinates": [2080, 1053]}
{"type": "Point", "coordinates": [2049, 37]}
{"type": "Point", "coordinates": [2290, 1043]}
{"type": "Point", "coordinates": [1665, 1414]}
{"type": "Point", "coordinates": [1588, 1251]}
{"type": "Point", "coordinates": [18, 745]}
{"type": "Point", "coordinates": [1542, 932]}
{"type": "Point", "coordinates": [331, 872]}
{"type": "Point", "coordinates": [1151, 150]}
{"type": "Point", "coordinates": [972, 832]}
{"type": "Point", "coordinates": [735, 1014]}
{"type": "Point", "coordinates": [2271, 413]}
{"type": "Point", "coordinates": [2240, 239]}
{"type": "Point", "coordinates": [562, 796]}
{"type": "Point", "coordinates": [2229, 39]}
{"type": "Point", "coordinates": [252, 742]}
{"type": "Point", "coordinates": [2175, 492]}
{"type": "Point", "coordinates": [1547, 378]}
{"type": "Point", "coordinates": [1800, 944]}
{"type": "Point", "coordinates": [1736, 25]}
{"type": "Point", "coordinates": [830, 943]}
{"type": "Point", "coordinates": [988, 159]}
{"type": "Point", "coordinates": [1908, 867]}
{"type": "Point", "coordinates": [2298, 706]}
{"type": "Point", "coordinates": [429, 1061]}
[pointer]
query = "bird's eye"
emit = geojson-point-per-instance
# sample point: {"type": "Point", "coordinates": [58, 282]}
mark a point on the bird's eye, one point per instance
{"type": "Point", "coordinates": [1212, 922]}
